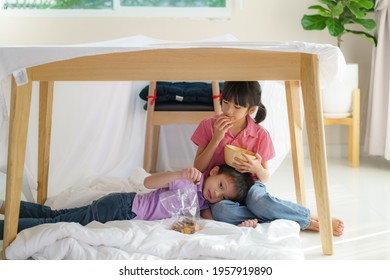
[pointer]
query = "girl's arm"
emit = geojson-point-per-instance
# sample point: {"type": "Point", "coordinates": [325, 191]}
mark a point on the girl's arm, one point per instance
{"type": "Point", "coordinates": [204, 154]}
{"type": "Point", "coordinates": [161, 180]}
{"type": "Point", "coordinates": [254, 166]}
{"type": "Point", "coordinates": [263, 172]}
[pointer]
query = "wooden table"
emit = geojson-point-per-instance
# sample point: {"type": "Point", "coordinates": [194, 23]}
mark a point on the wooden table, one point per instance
{"type": "Point", "coordinates": [187, 64]}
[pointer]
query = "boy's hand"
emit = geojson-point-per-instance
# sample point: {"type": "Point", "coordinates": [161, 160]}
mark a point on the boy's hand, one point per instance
{"type": "Point", "coordinates": [191, 174]}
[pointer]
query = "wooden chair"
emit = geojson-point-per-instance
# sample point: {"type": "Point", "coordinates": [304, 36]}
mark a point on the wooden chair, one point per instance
{"type": "Point", "coordinates": [353, 123]}
{"type": "Point", "coordinates": [156, 118]}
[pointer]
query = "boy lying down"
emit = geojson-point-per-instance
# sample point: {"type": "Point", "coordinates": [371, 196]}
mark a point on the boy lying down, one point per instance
{"type": "Point", "coordinates": [224, 182]}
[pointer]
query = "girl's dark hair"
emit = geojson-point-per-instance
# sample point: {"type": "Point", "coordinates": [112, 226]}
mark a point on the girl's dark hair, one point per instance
{"type": "Point", "coordinates": [245, 94]}
{"type": "Point", "coordinates": [242, 181]}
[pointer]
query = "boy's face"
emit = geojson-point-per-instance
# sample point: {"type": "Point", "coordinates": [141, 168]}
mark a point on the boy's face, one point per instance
{"type": "Point", "coordinates": [219, 187]}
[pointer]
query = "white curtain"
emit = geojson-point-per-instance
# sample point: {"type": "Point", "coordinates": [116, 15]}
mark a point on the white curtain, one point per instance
{"type": "Point", "coordinates": [377, 140]}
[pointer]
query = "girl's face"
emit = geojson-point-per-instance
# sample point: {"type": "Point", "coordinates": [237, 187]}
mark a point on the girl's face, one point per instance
{"type": "Point", "coordinates": [234, 111]}
{"type": "Point", "coordinates": [218, 187]}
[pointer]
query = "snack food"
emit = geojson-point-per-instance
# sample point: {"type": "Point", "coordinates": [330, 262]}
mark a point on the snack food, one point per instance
{"type": "Point", "coordinates": [186, 226]}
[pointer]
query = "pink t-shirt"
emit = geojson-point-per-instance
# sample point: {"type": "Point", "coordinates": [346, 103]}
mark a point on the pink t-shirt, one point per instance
{"type": "Point", "coordinates": [254, 138]}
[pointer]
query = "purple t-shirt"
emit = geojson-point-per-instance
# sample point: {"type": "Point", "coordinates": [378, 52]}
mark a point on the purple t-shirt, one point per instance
{"type": "Point", "coordinates": [148, 206]}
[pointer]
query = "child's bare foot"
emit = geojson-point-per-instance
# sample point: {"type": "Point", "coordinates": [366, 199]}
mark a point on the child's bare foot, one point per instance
{"type": "Point", "coordinates": [337, 225]}
{"type": "Point", "coordinates": [248, 223]}
{"type": "Point", "coordinates": [314, 225]}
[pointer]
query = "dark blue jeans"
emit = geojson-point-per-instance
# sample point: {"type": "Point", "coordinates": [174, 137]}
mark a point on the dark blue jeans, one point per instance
{"type": "Point", "coordinates": [114, 206]}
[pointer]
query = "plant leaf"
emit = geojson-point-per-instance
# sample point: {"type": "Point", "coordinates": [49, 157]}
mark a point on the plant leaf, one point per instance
{"type": "Point", "coordinates": [356, 10]}
{"type": "Point", "coordinates": [364, 35]}
{"type": "Point", "coordinates": [338, 9]}
{"type": "Point", "coordinates": [338, 15]}
{"type": "Point", "coordinates": [328, 3]}
{"type": "Point", "coordinates": [313, 22]}
{"type": "Point", "coordinates": [368, 24]}
{"type": "Point", "coordinates": [321, 10]}
{"type": "Point", "coordinates": [335, 27]}
{"type": "Point", "coordinates": [366, 4]}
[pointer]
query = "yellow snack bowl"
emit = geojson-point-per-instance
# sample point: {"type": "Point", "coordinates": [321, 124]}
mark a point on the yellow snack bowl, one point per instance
{"type": "Point", "coordinates": [231, 152]}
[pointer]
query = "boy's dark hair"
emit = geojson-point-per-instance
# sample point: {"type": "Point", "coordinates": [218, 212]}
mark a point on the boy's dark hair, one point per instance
{"type": "Point", "coordinates": [244, 94]}
{"type": "Point", "coordinates": [242, 181]}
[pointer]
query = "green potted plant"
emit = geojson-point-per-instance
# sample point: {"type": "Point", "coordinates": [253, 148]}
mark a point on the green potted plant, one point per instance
{"type": "Point", "coordinates": [338, 16]}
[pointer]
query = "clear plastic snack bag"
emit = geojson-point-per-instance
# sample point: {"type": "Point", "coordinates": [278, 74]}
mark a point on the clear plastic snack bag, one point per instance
{"type": "Point", "coordinates": [183, 206]}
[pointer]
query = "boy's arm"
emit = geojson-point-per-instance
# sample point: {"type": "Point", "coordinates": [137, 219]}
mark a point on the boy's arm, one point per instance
{"type": "Point", "coordinates": [206, 214]}
{"type": "Point", "coordinates": [161, 180]}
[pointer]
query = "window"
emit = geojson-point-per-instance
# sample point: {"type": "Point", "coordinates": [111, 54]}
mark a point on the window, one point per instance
{"type": "Point", "coordinates": [134, 8]}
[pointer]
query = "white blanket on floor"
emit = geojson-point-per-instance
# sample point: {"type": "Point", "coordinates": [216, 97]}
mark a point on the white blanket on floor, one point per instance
{"type": "Point", "coordinates": [143, 240]}
{"type": "Point", "coordinates": [149, 239]}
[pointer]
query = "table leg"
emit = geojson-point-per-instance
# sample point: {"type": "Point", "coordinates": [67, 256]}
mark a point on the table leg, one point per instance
{"type": "Point", "coordinates": [216, 101]}
{"type": "Point", "coordinates": [316, 137]}
{"type": "Point", "coordinates": [45, 120]}
{"type": "Point", "coordinates": [149, 128]}
{"type": "Point", "coordinates": [18, 126]}
{"type": "Point", "coordinates": [155, 141]}
{"type": "Point", "coordinates": [295, 123]}
{"type": "Point", "coordinates": [354, 130]}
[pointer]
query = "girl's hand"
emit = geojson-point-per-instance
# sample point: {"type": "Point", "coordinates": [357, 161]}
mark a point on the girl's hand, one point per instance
{"type": "Point", "coordinates": [246, 164]}
{"type": "Point", "coordinates": [221, 126]}
{"type": "Point", "coordinates": [249, 223]}
{"type": "Point", "coordinates": [191, 174]}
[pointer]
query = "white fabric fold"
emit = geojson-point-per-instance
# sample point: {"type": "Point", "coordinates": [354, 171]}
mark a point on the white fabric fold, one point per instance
{"type": "Point", "coordinates": [142, 240]}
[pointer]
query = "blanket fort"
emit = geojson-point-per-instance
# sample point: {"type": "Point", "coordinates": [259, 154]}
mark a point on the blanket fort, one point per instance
{"type": "Point", "coordinates": [297, 66]}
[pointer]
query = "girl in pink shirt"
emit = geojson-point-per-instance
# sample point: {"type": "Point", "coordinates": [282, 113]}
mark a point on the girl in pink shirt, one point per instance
{"type": "Point", "coordinates": [236, 127]}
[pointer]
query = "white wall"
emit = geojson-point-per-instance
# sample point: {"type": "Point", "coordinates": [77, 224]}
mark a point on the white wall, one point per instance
{"type": "Point", "coordinates": [277, 20]}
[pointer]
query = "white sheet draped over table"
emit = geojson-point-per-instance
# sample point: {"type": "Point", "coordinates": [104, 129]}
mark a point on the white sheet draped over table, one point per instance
{"type": "Point", "coordinates": [98, 128]}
